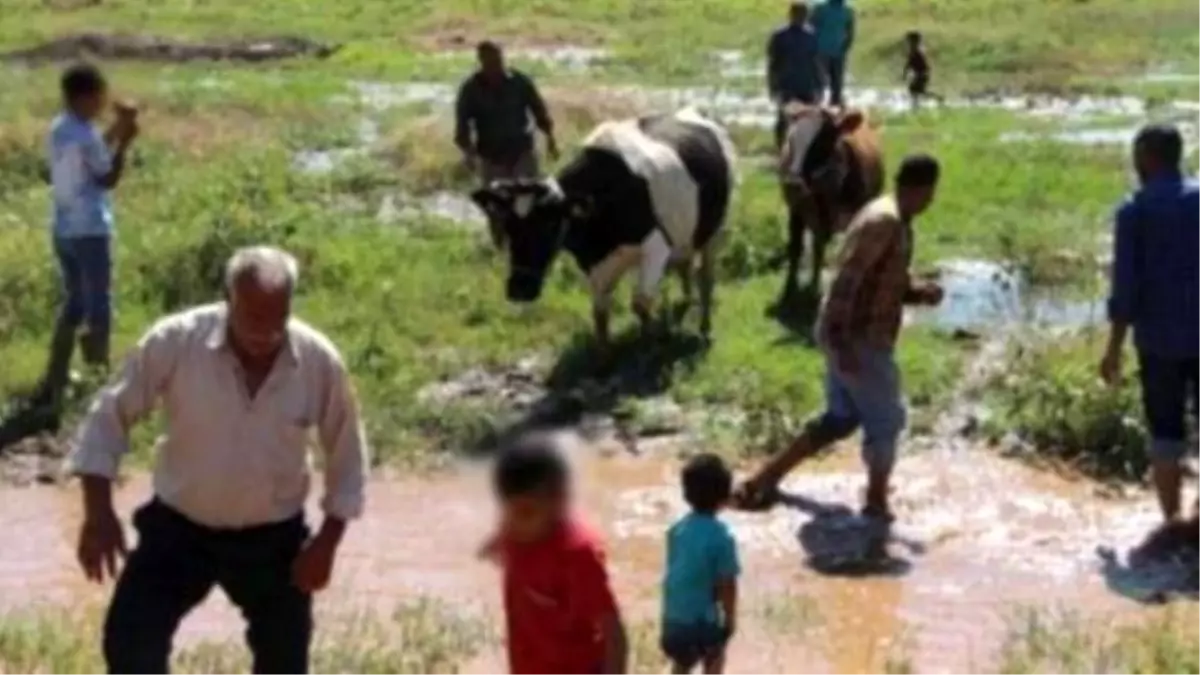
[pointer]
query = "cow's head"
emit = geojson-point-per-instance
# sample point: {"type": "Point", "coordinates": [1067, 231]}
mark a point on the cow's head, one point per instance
{"type": "Point", "coordinates": [813, 153]}
{"type": "Point", "coordinates": [530, 219]}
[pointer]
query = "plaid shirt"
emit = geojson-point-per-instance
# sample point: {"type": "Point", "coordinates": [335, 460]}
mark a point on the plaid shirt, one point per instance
{"type": "Point", "coordinates": [866, 303]}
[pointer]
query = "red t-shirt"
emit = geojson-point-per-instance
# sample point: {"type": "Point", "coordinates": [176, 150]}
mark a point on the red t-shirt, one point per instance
{"type": "Point", "coordinates": [556, 594]}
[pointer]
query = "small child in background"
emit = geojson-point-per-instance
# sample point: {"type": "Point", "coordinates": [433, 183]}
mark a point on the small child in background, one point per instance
{"type": "Point", "coordinates": [700, 583]}
{"type": "Point", "coordinates": [560, 610]}
{"type": "Point", "coordinates": [917, 70]}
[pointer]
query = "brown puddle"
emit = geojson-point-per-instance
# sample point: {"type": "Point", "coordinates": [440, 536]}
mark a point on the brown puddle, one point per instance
{"type": "Point", "coordinates": [976, 537]}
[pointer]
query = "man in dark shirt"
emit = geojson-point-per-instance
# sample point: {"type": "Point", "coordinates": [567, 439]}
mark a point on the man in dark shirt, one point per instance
{"type": "Point", "coordinates": [793, 68]}
{"type": "Point", "coordinates": [1155, 290]}
{"type": "Point", "coordinates": [493, 112]}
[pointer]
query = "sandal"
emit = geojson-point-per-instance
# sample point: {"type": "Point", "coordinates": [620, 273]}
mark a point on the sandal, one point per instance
{"type": "Point", "coordinates": [750, 496]}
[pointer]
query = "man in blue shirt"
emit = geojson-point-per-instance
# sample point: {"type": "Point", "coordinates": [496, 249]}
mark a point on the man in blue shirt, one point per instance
{"type": "Point", "coordinates": [1155, 290]}
{"type": "Point", "coordinates": [84, 167]}
{"type": "Point", "coordinates": [793, 71]}
{"type": "Point", "coordinates": [834, 24]}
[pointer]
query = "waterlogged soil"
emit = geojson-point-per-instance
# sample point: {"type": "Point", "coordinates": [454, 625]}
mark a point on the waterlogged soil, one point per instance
{"type": "Point", "coordinates": [163, 49]}
{"type": "Point", "coordinates": [976, 537]}
{"type": "Point", "coordinates": [982, 295]}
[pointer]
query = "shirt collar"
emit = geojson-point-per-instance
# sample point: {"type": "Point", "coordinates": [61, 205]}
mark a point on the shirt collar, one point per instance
{"type": "Point", "coordinates": [218, 337]}
{"type": "Point", "coordinates": [1164, 179]}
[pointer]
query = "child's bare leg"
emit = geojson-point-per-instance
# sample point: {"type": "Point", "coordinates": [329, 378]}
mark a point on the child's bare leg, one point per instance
{"type": "Point", "coordinates": [715, 664]}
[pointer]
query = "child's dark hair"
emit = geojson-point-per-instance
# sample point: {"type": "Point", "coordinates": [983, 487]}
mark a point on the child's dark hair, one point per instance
{"type": "Point", "coordinates": [531, 464]}
{"type": "Point", "coordinates": [913, 36]}
{"type": "Point", "coordinates": [81, 79]}
{"type": "Point", "coordinates": [919, 170]}
{"type": "Point", "coordinates": [707, 483]}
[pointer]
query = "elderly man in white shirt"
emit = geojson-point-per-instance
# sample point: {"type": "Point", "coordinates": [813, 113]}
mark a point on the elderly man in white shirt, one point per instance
{"type": "Point", "coordinates": [241, 383]}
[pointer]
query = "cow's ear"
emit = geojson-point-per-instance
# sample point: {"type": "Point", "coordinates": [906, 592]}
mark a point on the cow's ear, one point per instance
{"type": "Point", "coordinates": [491, 199]}
{"type": "Point", "coordinates": [850, 121]}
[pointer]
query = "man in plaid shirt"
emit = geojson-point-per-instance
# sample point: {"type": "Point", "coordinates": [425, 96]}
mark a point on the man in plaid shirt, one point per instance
{"type": "Point", "coordinates": [857, 328]}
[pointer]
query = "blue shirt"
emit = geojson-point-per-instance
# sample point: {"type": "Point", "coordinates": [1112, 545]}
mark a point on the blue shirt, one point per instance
{"type": "Point", "coordinates": [792, 71]}
{"type": "Point", "coordinates": [1155, 261]}
{"type": "Point", "coordinates": [79, 158]}
{"type": "Point", "coordinates": [833, 22]}
{"type": "Point", "coordinates": [700, 552]}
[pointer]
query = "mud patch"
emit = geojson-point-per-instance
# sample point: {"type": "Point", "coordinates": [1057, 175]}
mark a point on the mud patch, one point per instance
{"type": "Point", "coordinates": [163, 49]}
{"type": "Point", "coordinates": [34, 460]}
{"type": "Point", "coordinates": [519, 398]}
{"type": "Point", "coordinates": [442, 205]}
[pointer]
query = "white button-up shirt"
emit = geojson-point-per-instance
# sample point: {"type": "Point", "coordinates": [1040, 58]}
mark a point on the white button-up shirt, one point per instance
{"type": "Point", "coordinates": [228, 460]}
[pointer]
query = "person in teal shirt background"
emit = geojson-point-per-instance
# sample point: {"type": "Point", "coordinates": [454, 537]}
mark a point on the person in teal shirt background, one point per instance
{"type": "Point", "coordinates": [833, 21]}
{"type": "Point", "coordinates": [700, 583]}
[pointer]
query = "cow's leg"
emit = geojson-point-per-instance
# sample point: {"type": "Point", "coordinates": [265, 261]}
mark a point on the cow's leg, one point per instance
{"type": "Point", "coordinates": [601, 311]}
{"type": "Point", "coordinates": [656, 255]}
{"type": "Point", "coordinates": [684, 269]}
{"type": "Point", "coordinates": [708, 280]}
{"type": "Point", "coordinates": [795, 248]}
{"type": "Point", "coordinates": [822, 231]}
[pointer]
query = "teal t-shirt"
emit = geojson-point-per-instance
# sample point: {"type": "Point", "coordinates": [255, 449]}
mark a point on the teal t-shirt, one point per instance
{"type": "Point", "coordinates": [831, 20]}
{"type": "Point", "coordinates": [700, 552]}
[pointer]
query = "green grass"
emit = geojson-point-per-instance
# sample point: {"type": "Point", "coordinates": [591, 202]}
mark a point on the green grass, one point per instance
{"type": "Point", "coordinates": [975, 43]}
{"type": "Point", "coordinates": [419, 636]}
{"type": "Point", "coordinates": [419, 300]}
{"type": "Point", "coordinates": [1052, 396]}
{"type": "Point", "coordinates": [1062, 642]}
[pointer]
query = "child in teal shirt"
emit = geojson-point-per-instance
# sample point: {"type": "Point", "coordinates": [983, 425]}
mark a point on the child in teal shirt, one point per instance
{"type": "Point", "coordinates": [700, 583]}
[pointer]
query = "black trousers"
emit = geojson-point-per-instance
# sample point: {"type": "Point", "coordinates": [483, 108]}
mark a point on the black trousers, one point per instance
{"type": "Point", "coordinates": [175, 565]}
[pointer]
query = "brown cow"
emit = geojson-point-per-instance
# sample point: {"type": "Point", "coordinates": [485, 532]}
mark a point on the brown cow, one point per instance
{"type": "Point", "coordinates": [830, 166]}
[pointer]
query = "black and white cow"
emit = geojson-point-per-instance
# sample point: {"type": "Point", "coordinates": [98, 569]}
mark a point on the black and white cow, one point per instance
{"type": "Point", "coordinates": [651, 192]}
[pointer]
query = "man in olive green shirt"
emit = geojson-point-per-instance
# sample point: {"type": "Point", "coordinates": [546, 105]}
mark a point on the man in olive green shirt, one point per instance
{"type": "Point", "coordinates": [493, 119]}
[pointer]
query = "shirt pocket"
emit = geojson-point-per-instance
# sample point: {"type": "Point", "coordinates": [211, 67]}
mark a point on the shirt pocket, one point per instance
{"type": "Point", "coordinates": [289, 421]}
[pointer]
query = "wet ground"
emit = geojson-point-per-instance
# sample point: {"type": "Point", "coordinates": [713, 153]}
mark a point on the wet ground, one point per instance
{"type": "Point", "coordinates": [983, 296]}
{"type": "Point", "coordinates": [155, 48]}
{"type": "Point", "coordinates": [976, 537]}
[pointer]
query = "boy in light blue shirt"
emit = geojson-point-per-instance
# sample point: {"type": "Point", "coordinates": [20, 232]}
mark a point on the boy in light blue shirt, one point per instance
{"type": "Point", "coordinates": [833, 20]}
{"type": "Point", "coordinates": [84, 167]}
{"type": "Point", "coordinates": [700, 583]}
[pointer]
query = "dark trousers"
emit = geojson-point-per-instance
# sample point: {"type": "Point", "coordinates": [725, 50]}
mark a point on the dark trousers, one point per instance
{"type": "Point", "coordinates": [1167, 386]}
{"type": "Point", "coordinates": [175, 565]}
{"type": "Point", "coordinates": [835, 77]}
{"type": "Point", "coordinates": [85, 264]}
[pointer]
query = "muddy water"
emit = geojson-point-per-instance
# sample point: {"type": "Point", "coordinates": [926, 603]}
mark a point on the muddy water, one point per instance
{"type": "Point", "coordinates": [981, 294]}
{"type": "Point", "coordinates": [975, 536]}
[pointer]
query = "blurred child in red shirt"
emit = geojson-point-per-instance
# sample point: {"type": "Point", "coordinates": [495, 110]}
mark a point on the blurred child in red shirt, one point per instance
{"type": "Point", "coordinates": [560, 610]}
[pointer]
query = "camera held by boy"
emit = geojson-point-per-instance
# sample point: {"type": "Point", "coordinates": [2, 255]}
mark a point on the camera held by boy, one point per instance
{"type": "Point", "coordinates": [560, 610]}
{"type": "Point", "coordinates": [700, 583]}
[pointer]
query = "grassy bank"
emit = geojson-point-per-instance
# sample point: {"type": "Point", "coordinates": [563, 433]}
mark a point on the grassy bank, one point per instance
{"type": "Point", "coordinates": [1052, 397]}
{"type": "Point", "coordinates": [1062, 642]}
{"type": "Point", "coordinates": [975, 43]}
{"type": "Point", "coordinates": [422, 636]}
